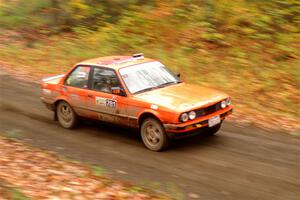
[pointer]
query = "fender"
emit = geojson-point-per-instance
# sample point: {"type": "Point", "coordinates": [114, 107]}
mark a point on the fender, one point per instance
{"type": "Point", "coordinates": [151, 112]}
{"type": "Point", "coordinates": [61, 98]}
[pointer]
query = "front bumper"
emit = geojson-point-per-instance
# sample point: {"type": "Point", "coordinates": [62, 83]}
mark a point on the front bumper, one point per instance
{"type": "Point", "coordinates": [199, 123]}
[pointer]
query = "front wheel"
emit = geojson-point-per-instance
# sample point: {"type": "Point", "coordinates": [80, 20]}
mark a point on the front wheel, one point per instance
{"type": "Point", "coordinates": [66, 116]}
{"type": "Point", "coordinates": [153, 135]}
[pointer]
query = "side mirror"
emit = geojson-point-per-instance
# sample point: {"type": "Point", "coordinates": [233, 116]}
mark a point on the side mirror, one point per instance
{"type": "Point", "coordinates": [117, 91]}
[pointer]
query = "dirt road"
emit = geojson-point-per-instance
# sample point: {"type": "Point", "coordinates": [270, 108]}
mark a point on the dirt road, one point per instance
{"type": "Point", "coordinates": [238, 163]}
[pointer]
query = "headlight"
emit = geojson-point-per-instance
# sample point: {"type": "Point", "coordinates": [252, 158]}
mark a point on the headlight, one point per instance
{"type": "Point", "coordinates": [184, 117]}
{"type": "Point", "coordinates": [228, 101]}
{"type": "Point", "coordinates": [223, 104]}
{"type": "Point", "coordinates": [192, 115]}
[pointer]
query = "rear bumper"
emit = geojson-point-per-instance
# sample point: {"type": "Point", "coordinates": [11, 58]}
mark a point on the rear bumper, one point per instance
{"type": "Point", "coordinates": [202, 123]}
{"type": "Point", "coordinates": [48, 103]}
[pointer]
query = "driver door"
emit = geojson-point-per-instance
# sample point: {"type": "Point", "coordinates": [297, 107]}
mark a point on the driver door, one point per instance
{"type": "Point", "coordinates": [104, 105]}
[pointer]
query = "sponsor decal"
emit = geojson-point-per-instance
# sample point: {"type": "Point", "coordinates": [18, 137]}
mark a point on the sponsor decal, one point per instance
{"type": "Point", "coordinates": [100, 101]}
{"type": "Point", "coordinates": [106, 117]}
{"type": "Point", "coordinates": [154, 107]}
{"type": "Point", "coordinates": [110, 103]}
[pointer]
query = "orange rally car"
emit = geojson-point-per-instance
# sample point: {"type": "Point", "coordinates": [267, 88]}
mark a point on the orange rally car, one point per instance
{"type": "Point", "coordinates": [137, 92]}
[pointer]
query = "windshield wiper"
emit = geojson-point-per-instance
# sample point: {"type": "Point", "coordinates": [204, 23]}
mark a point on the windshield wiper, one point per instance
{"type": "Point", "coordinates": [145, 90]}
{"type": "Point", "coordinates": [159, 86]}
{"type": "Point", "coordinates": [167, 83]}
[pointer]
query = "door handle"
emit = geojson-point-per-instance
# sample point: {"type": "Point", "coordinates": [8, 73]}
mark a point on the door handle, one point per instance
{"type": "Point", "coordinates": [90, 95]}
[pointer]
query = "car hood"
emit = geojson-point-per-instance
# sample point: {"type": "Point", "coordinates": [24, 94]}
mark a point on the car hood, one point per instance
{"type": "Point", "coordinates": [182, 97]}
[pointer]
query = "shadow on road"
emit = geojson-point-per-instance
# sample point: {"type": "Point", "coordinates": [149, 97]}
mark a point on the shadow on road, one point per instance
{"type": "Point", "coordinates": [107, 130]}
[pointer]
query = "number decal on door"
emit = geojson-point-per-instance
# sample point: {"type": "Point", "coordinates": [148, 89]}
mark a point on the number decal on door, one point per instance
{"type": "Point", "coordinates": [111, 103]}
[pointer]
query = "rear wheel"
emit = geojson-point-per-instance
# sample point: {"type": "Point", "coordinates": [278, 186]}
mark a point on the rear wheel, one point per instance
{"type": "Point", "coordinates": [153, 135]}
{"type": "Point", "coordinates": [66, 116]}
{"type": "Point", "coordinates": [213, 130]}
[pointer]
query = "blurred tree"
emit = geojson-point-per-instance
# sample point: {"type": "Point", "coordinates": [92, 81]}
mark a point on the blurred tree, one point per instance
{"type": "Point", "coordinates": [213, 21]}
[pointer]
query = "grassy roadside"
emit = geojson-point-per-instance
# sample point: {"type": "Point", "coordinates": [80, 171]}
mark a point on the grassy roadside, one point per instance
{"type": "Point", "coordinates": [30, 173]}
{"type": "Point", "coordinates": [265, 92]}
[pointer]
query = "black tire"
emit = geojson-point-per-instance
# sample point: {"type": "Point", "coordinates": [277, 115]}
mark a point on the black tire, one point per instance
{"type": "Point", "coordinates": [66, 116]}
{"type": "Point", "coordinates": [213, 130]}
{"type": "Point", "coordinates": [153, 135]}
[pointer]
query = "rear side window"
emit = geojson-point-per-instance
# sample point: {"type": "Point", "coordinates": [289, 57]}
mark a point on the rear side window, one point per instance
{"type": "Point", "coordinates": [79, 77]}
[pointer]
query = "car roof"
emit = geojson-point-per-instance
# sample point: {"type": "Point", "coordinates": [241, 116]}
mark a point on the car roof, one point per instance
{"type": "Point", "coordinates": [116, 62]}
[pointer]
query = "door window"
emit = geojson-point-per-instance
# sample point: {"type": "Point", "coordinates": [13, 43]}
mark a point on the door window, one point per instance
{"type": "Point", "coordinates": [104, 80]}
{"type": "Point", "coordinates": [79, 77]}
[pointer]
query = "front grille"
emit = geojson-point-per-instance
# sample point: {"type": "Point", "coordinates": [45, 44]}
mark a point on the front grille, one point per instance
{"type": "Point", "coordinates": [208, 110]}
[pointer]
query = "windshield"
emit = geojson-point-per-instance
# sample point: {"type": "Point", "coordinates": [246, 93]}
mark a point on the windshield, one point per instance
{"type": "Point", "coordinates": [147, 76]}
